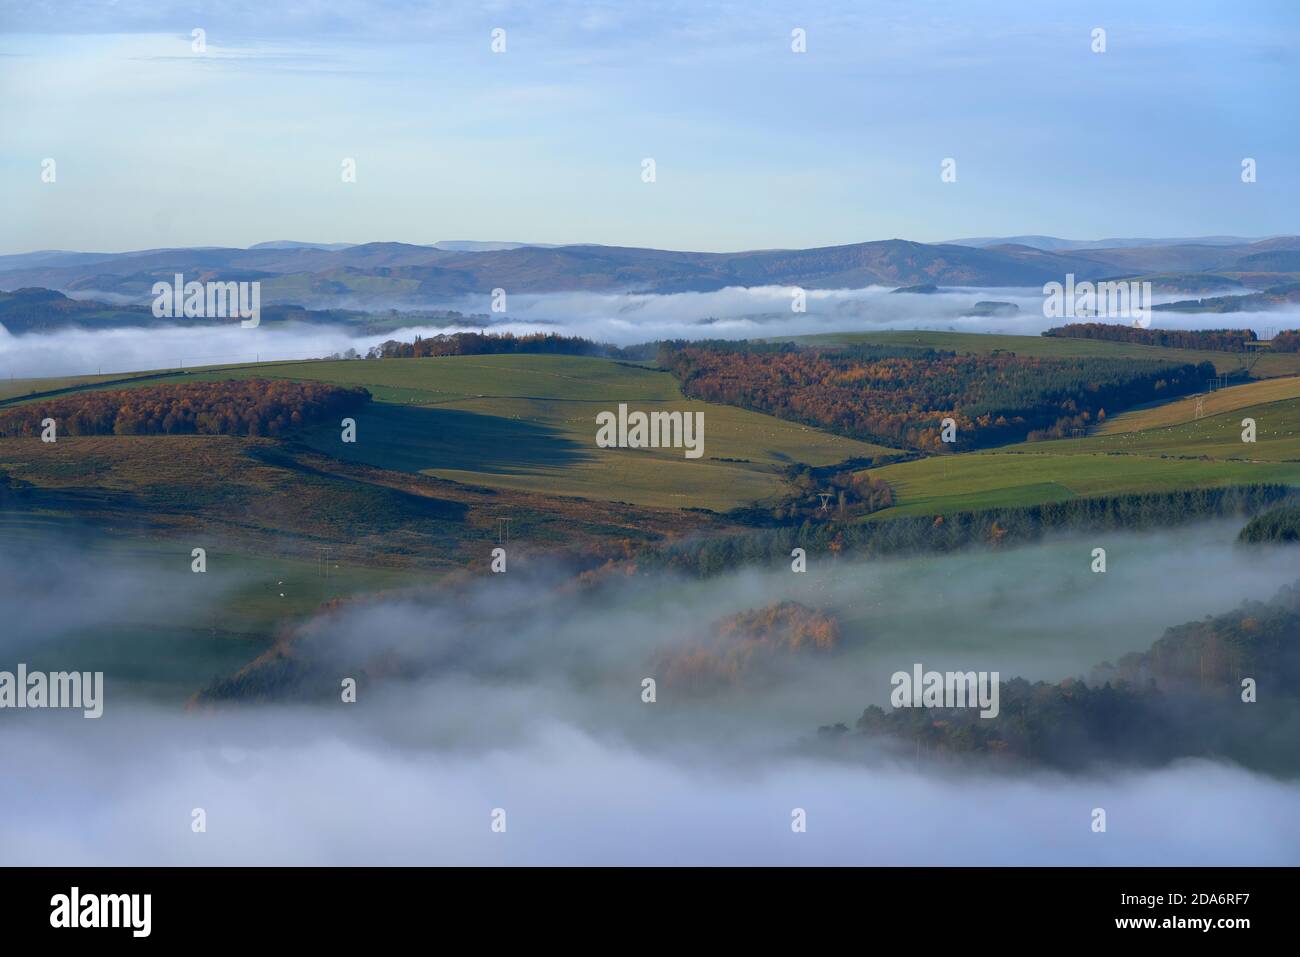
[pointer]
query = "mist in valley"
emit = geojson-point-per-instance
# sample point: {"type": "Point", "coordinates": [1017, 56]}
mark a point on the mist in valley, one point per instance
{"type": "Point", "coordinates": [523, 693]}
{"type": "Point", "coordinates": [619, 318]}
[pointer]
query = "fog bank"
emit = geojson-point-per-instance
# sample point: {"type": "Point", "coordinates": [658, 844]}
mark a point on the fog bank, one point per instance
{"type": "Point", "coordinates": [512, 694]}
{"type": "Point", "coordinates": [622, 319]}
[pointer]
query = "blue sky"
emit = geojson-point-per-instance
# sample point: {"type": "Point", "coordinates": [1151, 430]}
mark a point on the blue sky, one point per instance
{"type": "Point", "coordinates": [755, 146]}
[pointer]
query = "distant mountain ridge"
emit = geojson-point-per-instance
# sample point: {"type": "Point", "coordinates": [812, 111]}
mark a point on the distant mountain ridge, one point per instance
{"type": "Point", "coordinates": [1054, 244]}
{"type": "Point", "coordinates": [383, 273]}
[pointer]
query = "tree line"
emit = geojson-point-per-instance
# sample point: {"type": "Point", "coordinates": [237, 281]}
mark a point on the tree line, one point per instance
{"type": "Point", "coordinates": [1280, 524]}
{"type": "Point", "coordinates": [705, 557]}
{"type": "Point", "coordinates": [1182, 698]}
{"type": "Point", "coordinates": [1217, 340]}
{"type": "Point", "coordinates": [1286, 341]}
{"type": "Point", "coordinates": [504, 343]}
{"type": "Point", "coordinates": [234, 407]}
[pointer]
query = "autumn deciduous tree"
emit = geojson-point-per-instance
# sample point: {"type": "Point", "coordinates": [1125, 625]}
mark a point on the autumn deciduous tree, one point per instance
{"type": "Point", "coordinates": [902, 398]}
{"type": "Point", "coordinates": [492, 343]}
{"type": "Point", "coordinates": [1218, 340]}
{"type": "Point", "coordinates": [741, 645]}
{"type": "Point", "coordinates": [235, 407]}
{"type": "Point", "coordinates": [1286, 341]}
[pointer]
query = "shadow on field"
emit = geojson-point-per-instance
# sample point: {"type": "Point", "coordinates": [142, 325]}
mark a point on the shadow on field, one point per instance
{"type": "Point", "coordinates": [417, 438]}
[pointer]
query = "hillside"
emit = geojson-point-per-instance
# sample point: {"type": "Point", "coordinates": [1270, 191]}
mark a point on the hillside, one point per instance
{"type": "Point", "coordinates": [44, 310]}
{"type": "Point", "coordinates": [1268, 365]}
{"type": "Point", "coordinates": [259, 496]}
{"type": "Point", "coordinates": [389, 272]}
{"type": "Point", "coordinates": [904, 395]}
{"type": "Point", "coordinates": [1181, 698]}
{"type": "Point", "coordinates": [1274, 297]}
{"type": "Point", "coordinates": [1193, 407]}
{"type": "Point", "coordinates": [37, 310]}
{"type": "Point", "coordinates": [1202, 453]}
{"type": "Point", "coordinates": [527, 423]}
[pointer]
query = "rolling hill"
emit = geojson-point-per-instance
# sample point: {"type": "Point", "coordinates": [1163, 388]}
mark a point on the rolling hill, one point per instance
{"type": "Point", "coordinates": [313, 274]}
{"type": "Point", "coordinates": [1269, 365]}
{"type": "Point", "coordinates": [1194, 407]}
{"type": "Point", "coordinates": [527, 424]}
{"type": "Point", "coordinates": [1202, 453]}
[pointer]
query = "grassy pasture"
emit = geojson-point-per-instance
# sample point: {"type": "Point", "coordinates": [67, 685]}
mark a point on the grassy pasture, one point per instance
{"type": "Point", "coordinates": [1218, 437]}
{"type": "Point", "coordinates": [1205, 452]}
{"type": "Point", "coordinates": [1269, 365]}
{"type": "Point", "coordinates": [1185, 410]}
{"type": "Point", "coordinates": [528, 423]}
{"type": "Point", "coordinates": [213, 623]}
{"type": "Point", "coordinates": [953, 483]}
{"type": "Point", "coordinates": [17, 389]}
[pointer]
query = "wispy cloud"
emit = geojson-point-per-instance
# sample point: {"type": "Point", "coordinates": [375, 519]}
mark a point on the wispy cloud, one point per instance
{"type": "Point", "coordinates": [756, 146]}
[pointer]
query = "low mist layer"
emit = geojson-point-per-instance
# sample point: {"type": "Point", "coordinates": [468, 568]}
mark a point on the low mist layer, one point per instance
{"type": "Point", "coordinates": [519, 695]}
{"type": "Point", "coordinates": [306, 788]}
{"type": "Point", "coordinates": [621, 319]}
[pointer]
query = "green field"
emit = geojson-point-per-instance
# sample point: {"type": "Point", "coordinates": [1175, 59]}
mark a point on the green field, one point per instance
{"type": "Point", "coordinates": [518, 434]}
{"type": "Point", "coordinates": [528, 423]}
{"type": "Point", "coordinates": [1199, 406]}
{"type": "Point", "coordinates": [1203, 453]}
{"type": "Point", "coordinates": [1269, 365]}
{"type": "Point", "coordinates": [19, 389]}
{"type": "Point", "coordinates": [976, 480]}
{"type": "Point", "coordinates": [520, 430]}
{"type": "Point", "coordinates": [213, 623]}
{"type": "Point", "coordinates": [1219, 437]}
